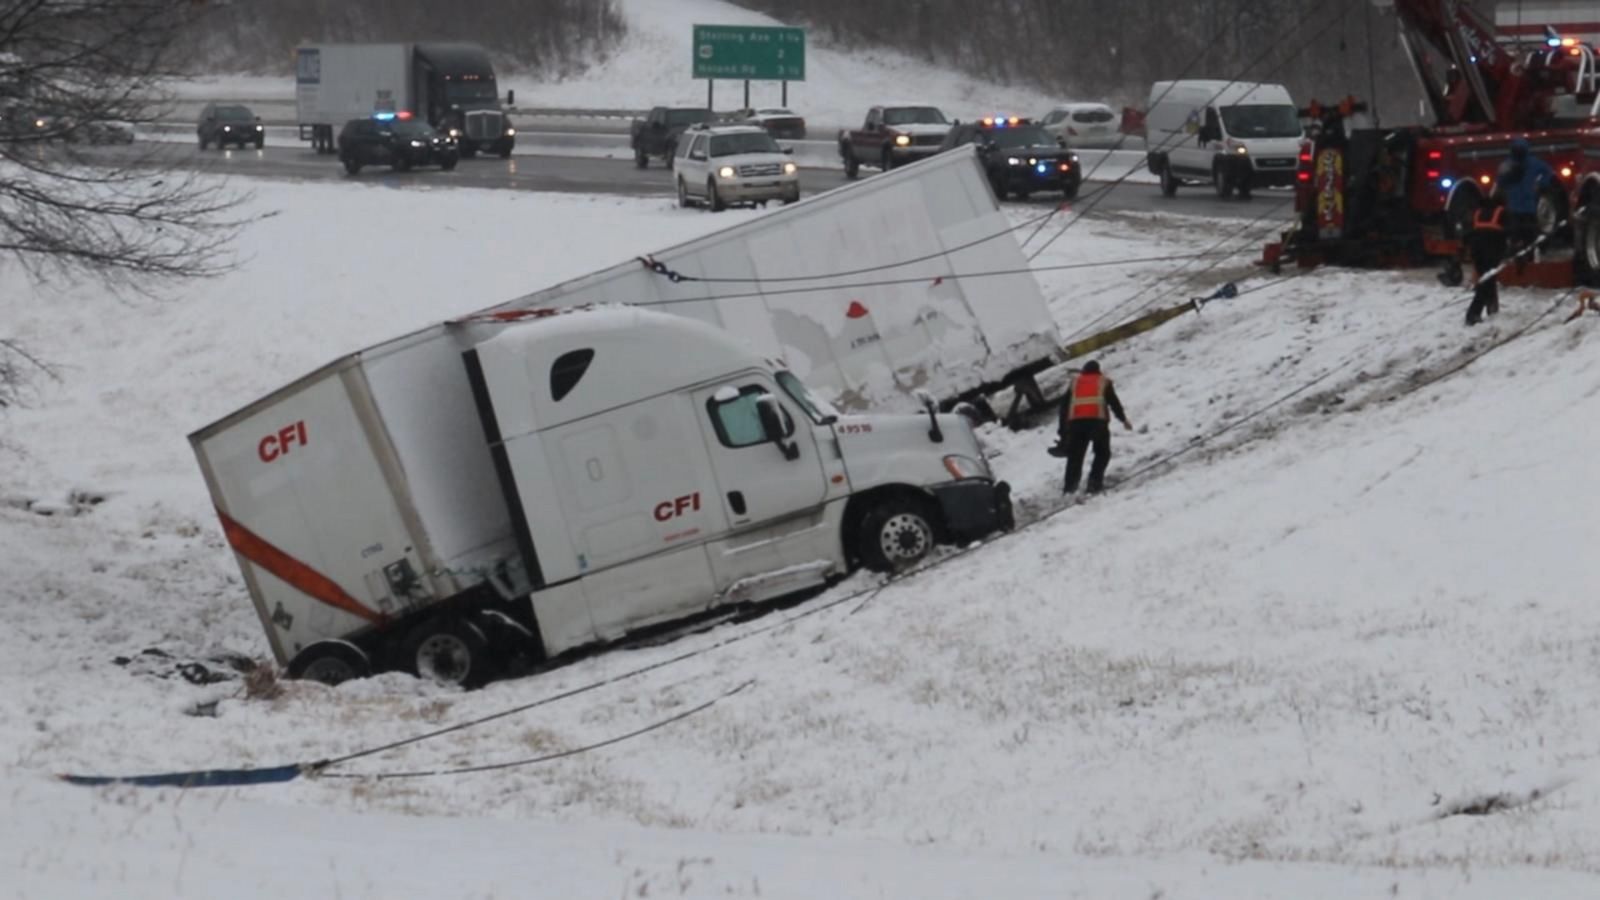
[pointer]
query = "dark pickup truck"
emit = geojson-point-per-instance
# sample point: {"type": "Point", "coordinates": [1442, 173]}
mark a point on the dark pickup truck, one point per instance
{"type": "Point", "coordinates": [892, 136]}
{"type": "Point", "coordinates": [657, 133]}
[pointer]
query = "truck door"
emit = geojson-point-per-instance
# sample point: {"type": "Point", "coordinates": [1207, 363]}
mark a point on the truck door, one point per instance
{"type": "Point", "coordinates": [773, 503]}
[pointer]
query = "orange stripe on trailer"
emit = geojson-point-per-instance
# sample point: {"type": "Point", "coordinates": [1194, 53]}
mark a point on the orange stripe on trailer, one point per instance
{"type": "Point", "coordinates": [292, 571]}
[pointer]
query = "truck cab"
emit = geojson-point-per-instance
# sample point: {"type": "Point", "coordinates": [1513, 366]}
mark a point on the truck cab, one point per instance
{"type": "Point", "coordinates": [462, 99]}
{"type": "Point", "coordinates": [893, 135]}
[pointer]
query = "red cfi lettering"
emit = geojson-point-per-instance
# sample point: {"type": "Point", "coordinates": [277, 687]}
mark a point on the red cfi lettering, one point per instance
{"type": "Point", "coordinates": [275, 445]}
{"type": "Point", "coordinates": [668, 510]}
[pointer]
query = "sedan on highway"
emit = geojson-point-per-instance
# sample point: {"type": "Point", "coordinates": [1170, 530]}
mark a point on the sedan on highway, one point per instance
{"type": "Point", "coordinates": [396, 140]}
{"type": "Point", "coordinates": [1084, 125]}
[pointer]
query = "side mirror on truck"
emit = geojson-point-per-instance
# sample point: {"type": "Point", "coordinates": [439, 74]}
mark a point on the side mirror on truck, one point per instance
{"type": "Point", "coordinates": [771, 415]}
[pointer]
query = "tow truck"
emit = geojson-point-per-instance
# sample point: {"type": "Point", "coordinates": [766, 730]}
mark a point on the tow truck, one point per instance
{"type": "Point", "coordinates": [1368, 196]}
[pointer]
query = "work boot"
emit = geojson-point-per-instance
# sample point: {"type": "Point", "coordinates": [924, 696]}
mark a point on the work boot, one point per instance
{"type": "Point", "coordinates": [1096, 487]}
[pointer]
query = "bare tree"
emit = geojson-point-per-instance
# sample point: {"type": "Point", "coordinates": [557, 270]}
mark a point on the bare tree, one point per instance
{"type": "Point", "coordinates": [74, 75]}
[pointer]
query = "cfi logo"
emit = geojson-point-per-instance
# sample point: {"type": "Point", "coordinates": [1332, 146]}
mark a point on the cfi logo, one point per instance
{"type": "Point", "coordinates": [667, 510]}
{"type": "Point", "coordinates": [273, 446]}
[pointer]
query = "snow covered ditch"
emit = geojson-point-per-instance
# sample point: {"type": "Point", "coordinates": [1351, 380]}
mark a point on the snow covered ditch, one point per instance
{"type": "Point", "coordinates": [1347, 647]}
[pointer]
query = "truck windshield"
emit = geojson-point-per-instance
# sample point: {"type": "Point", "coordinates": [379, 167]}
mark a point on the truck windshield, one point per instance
{"type": "Point", "coordinates": [1020, 136]}
{"type": "Point", "coordinates": [730, 144]}
{"type": "Point", "coordinates": [1261, 121]}
{"type": "Point", "coordinates": [913, 115]}
{"type": "Point", "coordinates": [676, 117]}
{"type": "Point", "coordinates": [817, 409]}
{"type": "Point", "coordinates": [468, 91]}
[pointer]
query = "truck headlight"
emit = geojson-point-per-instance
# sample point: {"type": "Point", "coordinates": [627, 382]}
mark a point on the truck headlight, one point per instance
{"type": "Point", "coordinates": [1013, 161]}
{"type": "Point", "coordinates": [902, 140]}
{"type": "Point", "coordinates": [725, 172]}
{"type": "Point", "coordinates": [962, 467]}
{"type": "Point", "coordinates": [455, 132]}
{"type": "Point", "coordinates": [258, 128]}
{"type": "Point", "coordinates": [511, 132]}
{"type": "Point", "coordinates": [790, 168]}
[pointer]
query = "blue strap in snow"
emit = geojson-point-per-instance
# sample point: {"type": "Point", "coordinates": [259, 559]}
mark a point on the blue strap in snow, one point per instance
{"type": "Point", "coordinates": [200, 778]}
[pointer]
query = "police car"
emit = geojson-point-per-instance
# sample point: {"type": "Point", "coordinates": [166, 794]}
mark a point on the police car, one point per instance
{"type": "Point", "coordinates": [1019, 156]}
{"type": "Point", "coordinates": [399, 140]}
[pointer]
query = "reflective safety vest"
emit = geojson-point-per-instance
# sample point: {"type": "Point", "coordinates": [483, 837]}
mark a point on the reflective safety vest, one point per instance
{"type": "Point", "coordinates": [1088, 397]}
{"type": "Point", "coordinates": [1481, 222]}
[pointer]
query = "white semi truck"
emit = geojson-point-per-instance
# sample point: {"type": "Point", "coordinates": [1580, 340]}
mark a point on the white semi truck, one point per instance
{"type": "Point", "coordinates": [451, 85]}
{"type": "Point", "coordinates": [544, 482]}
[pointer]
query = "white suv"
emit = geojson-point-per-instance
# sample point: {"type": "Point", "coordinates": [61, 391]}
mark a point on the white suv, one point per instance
{"type": "Point", "coordinates": [720, 165]}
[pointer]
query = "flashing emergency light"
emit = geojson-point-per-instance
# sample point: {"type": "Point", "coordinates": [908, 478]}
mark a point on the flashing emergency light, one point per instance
{"type": "Point", "coordinates": [1447, 183]}
{"type": "Point", "coordinates": [1066, 167]}
{"type": "Point", "coordinates": [1484, 179]}
{"type": "Point", "coordinates": [998, 121]}
{"type": "Point", "coordinates": [403, 114]}
{"type": "Point", "coordinates": [1042, 168]}
{"type": "Point", "coordinates": [1432, 174]}
{"type": "Point", "coordinates": [383, 116]}
{"type": "Point", "coordinates": [1553, 41]}
{"type": "Point", "coordinates": [1569, 42]}
{"type": "Point", "coordinates": [1566, 171]}
{"type": "Point", "coordinates": [1436, 154]}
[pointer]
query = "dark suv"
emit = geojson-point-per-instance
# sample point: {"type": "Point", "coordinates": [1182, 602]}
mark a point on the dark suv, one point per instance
{"type": "Point", "coordinates": [229, 123]}
{"type": "Point", "coordinates": [1019, 156]}
{"type": "Point", "coordinates": [395, 140]}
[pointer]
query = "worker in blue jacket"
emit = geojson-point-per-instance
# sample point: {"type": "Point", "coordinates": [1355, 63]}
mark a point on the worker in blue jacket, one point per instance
{"type": "Point", "coordinates": [1521, 179]}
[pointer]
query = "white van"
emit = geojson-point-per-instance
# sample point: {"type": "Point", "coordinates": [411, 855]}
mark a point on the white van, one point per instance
{"type": "Point", "coordinates": [1236, 135]}
{"type": "Point", "coordinates": [529, 484]}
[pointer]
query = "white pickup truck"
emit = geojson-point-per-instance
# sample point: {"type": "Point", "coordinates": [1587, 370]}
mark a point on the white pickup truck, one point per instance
{"type": "Point", "coordinates": [543, 480]}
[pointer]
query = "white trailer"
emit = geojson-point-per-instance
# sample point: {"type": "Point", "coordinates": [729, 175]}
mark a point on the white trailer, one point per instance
{"type": "Point", "coordinates": [929, 288]}
{"type": "Point", "coordinates": [499, 485]}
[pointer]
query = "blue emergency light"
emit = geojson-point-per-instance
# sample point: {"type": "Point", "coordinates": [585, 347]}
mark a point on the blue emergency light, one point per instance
{"type": "Point", "coordinates": [383, 117]}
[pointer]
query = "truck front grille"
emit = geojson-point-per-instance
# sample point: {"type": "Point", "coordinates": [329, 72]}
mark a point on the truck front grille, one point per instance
{"type": "Point", "coordinates": [927, 140]}
{"type": "Point", "coordinates": [758, 169]}
{"type": "Point", "coordinates": [485, 126]}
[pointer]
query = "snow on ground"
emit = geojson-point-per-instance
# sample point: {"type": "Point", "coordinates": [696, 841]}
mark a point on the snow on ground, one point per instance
{"type": "Point", "coordinates": [1271, 670]}
{"type": "Point", "coordinates": [653, 65]}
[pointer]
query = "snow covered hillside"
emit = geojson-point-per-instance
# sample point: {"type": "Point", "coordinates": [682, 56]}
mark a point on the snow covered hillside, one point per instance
{"type": "Point", "coordinates": [652, 66]}
{"type": "Point", "coordinates": [1346, 648]}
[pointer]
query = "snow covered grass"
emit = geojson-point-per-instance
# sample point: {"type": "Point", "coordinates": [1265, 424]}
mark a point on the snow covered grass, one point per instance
{"type": "Point", "coordinates": [652, 66]}
{"type": "Point", "coordinates": [1272, 669]}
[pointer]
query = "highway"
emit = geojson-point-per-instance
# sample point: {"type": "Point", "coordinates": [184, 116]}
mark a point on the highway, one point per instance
{"type": "Point", "coordinates": [538, 166]}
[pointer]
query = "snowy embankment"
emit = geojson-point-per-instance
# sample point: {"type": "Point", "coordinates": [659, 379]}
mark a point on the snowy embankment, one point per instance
{"type": "Point", "coordinates": [1274, 669]}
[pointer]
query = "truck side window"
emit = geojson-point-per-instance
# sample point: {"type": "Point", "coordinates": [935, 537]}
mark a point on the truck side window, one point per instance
{"type": "Point", "coordinates": [567, 371]}
{"type": "Point", "coordinates": [736, 420]}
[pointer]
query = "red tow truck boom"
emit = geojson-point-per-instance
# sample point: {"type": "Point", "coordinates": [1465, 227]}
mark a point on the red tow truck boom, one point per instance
{"type": "Point", "coordinates": [1369, 196]}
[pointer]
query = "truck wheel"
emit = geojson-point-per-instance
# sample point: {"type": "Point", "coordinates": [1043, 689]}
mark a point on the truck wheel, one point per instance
{"type": "Point", "coordinates": [504, 152]}
{"type": "Point", "coordinates": [1243, 187]}
{"type": "Point", "coordinates": [1586, 246]}
{"type": "Point", "coordinates": [852, 168]}
{"type": "Point", "coordinates": [641, 159]}
{"type": "Point", "coordinates": [1221, 180]}
{"type": "Point", "coordinates": [714, 199]}
{"type": "Point", "coordinates": [887, 162]}
{"type": "Point", "coordinates": [791, 198]}
{"type": "Point", "coordinates": [450, 651]}
{"type": "Point", "coordinates": [1549, 213]}
{"type": "Point", "coordinates": [895, 534]}
{"type": "Point", "coordinates": [1169, 181]}
{"type": "Point", "coordinates": [330, 662]}
{"type": "Point", "coordinates": [401, 164]}
{"type": "Point", "coordinates": [352, 165]}
{"type": "Point", "coordinates": [683, 195]}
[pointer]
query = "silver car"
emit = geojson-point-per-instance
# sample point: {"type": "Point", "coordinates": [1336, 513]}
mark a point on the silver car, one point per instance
{"type": "Point", "coordinates": [1085, 125]}
{"type": "Point", "coordinates": [724, 165]}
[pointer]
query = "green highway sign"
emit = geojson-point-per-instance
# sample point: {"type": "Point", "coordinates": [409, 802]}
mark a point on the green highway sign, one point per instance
{"type": "Point", "coordinates": [747, 52]}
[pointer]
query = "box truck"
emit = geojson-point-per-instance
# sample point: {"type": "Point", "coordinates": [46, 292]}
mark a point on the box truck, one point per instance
{"type": "Point", "coordinates": [450, 85]}
{"type": "Point", "coordinates": [544, 480]}
{"type": "Point", "coordinates": [926, 289]}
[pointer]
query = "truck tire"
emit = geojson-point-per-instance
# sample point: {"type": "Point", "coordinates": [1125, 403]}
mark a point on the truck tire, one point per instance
{"type": "Point", "coordinates": [330, 662]}
{"type": "Point", "coordinates": [887, 162]}
{"type": "Point", "coordinates": [713, 198]}
{"type": "Point", "coordinates": [352, 165]}
{"type": "Point", "coordinates": [852, 167]}
{"type": "Point", "coordinates": [1222, 180]}
{"type": "Point", "coordinates": [1550, 213]}
{"type": "Point", "coordinates": [1586, 245]}
{"type": "Point", "coordinates": [896, 534]}
{"type": "Point", "coordinates": [401, 164]}
{"type": "Point", "coordinates": [641, 159]}
{"type": "Point", "coordinates": [504, 152]}
{"type": "Point", "coordinates": [1169, 181]}
{"type": "Point", "coordinates": [450, 651]}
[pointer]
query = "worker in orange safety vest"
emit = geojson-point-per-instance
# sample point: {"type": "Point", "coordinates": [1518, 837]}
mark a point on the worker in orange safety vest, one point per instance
{"type": "Point", "coordinates": [1486, 243]}
{"type": "Point", "coordinates": [1085, 420]}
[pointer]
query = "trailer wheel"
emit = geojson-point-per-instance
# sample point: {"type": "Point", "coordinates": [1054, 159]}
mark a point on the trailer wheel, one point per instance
{"type": "Point", "coordinates": [330, 662]}
{"type": "Point", "coordinates": [895, 534]}
{"type": "Point", "coordinates": [450, 651]}
{"type": "Point", "coordinates": [1169, 182]}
